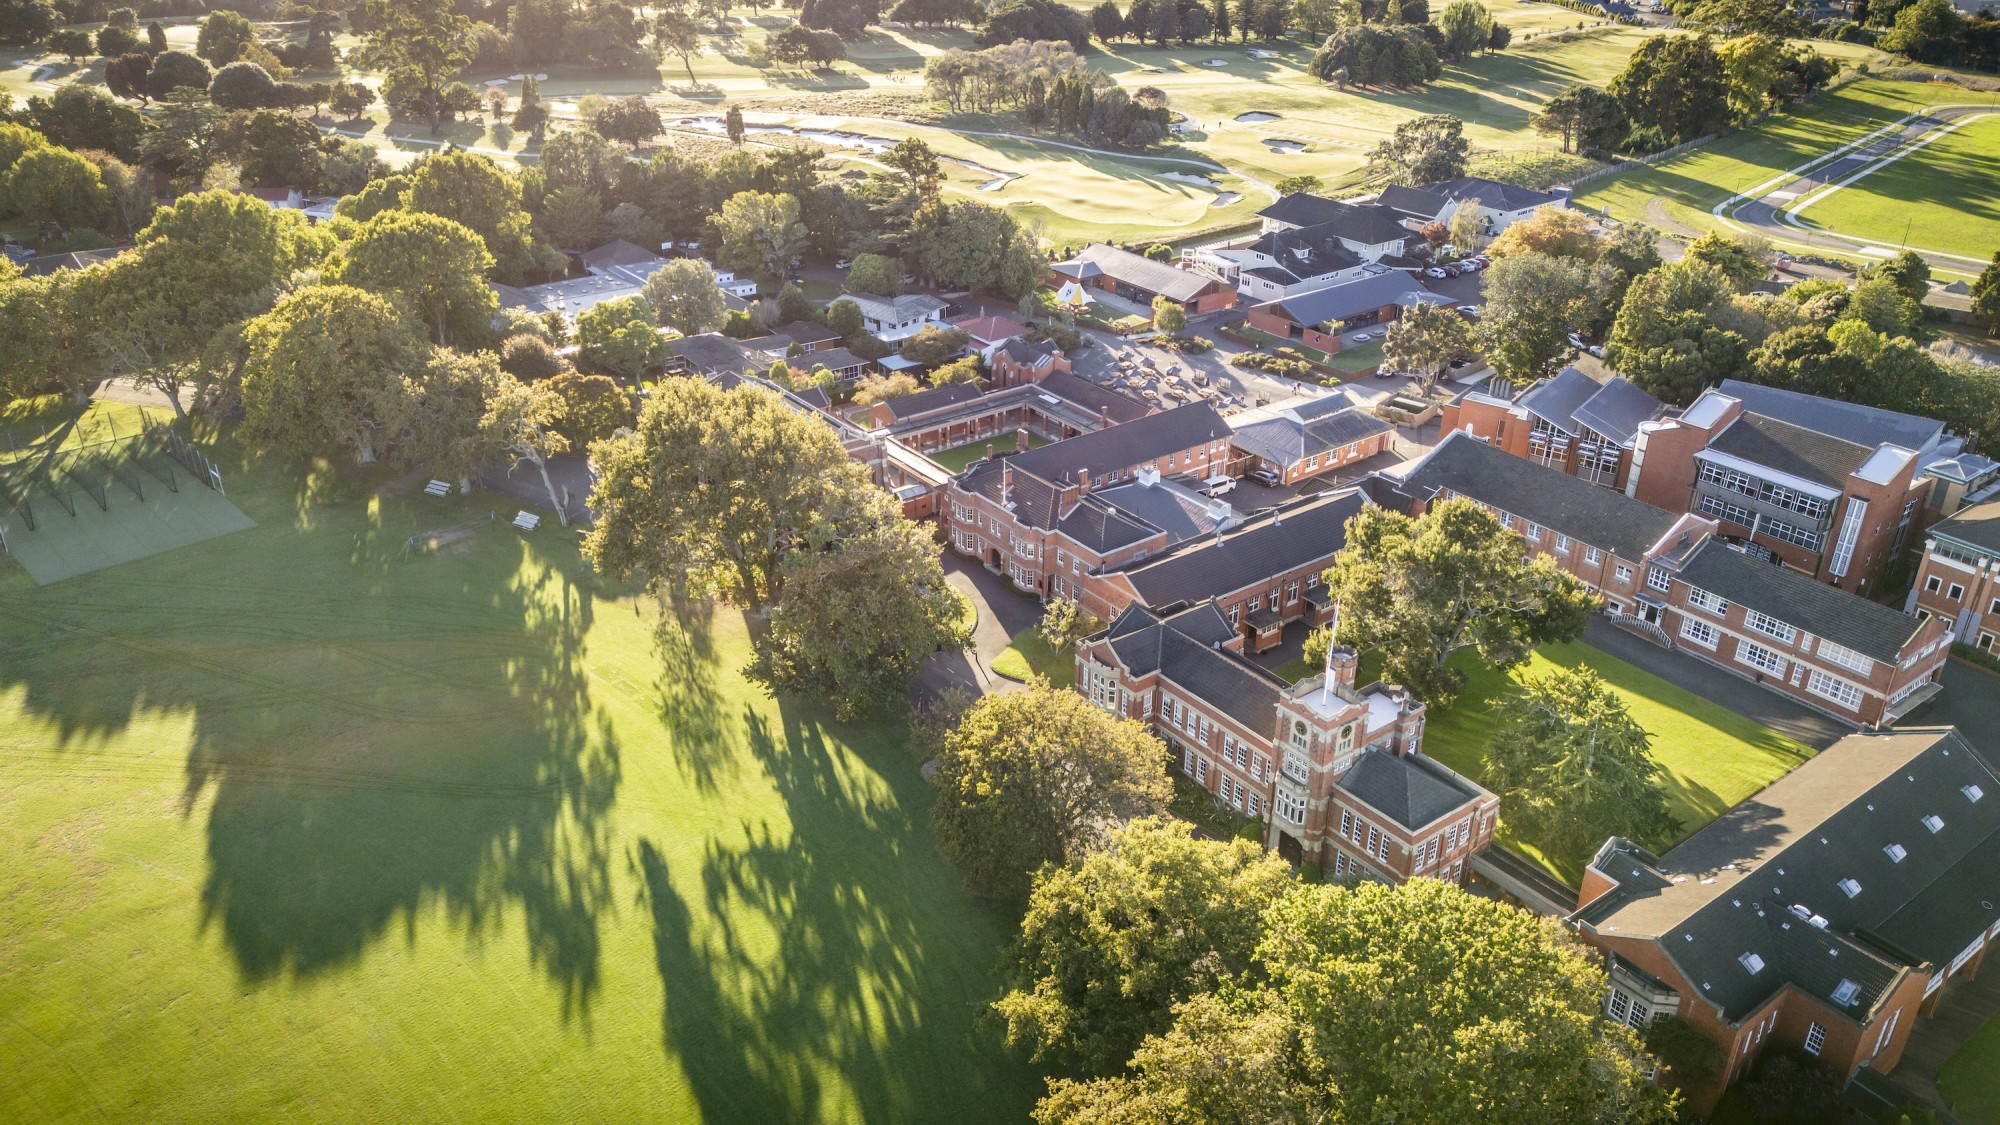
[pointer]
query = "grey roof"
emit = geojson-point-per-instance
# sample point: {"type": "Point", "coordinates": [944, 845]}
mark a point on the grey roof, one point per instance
{"type": "Point", "coordinates": [1338, 302]}
{"type": "Point", "coordinates": [1556, 399]}
{"type": "Point", "coordinates": [1825, 611]}
{"type": "Point", "coordinates": [807, 333]}
{"type": "Point", "coordinates": [1978, 526]}
{"type": "Point", "coordinates": [1174, 510]}
{"type": "Point", "coordinates": [1370, 224]}
{"type": "Point", "coordinates": [1131, 445]}
{"type": "Point", "coordinates": [1494, 194]}
{"type": "Point", "coordinates": [1093, 523]}
{"type": "Point", "coordinates": [1412, 201]}
{"type": "Point", "coordinates": [1618, 409]}
{"type": "Point", "coordinates": [833, 359]}
{"type": "Point", "coordinates": [1092, 398]}
{"type": "Point", "coordinates": [1027, 354]}
{"type": "Point", "coordinates": [618, 252]}
{"type": "Point", "coordinates": [1411, 791]}
{"type": "Point", "coordinates": [712, 351]}
{"type": "Point", "coordinates": [894, 310]}
{"type": "Point", "coordinates": [1256, 552]}
{"type": "Point", "coordinates": [1863, 425]}
{"type": "Point", "coordinates": [1305, 252]}
{"type": "Point", "coordinates": [1182, 650]}
{"type": "Point", "coordinates": [1731, 888]}
{"type": "Point", "coordinates": [1596, 516]}
{"type": "Point", "coordinates": [1143, 272]}
{"type": "Point", "coordinates": [936, 398]}
{"type": "Point", "coordinates": [1288, 442]}
{"type": "Point", "coordinates": [1794, 450]}
{"type": "Point", "coordinates": [71, 260]}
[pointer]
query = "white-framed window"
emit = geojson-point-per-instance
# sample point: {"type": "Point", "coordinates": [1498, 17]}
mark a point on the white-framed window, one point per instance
{"type": "Point", "coordinates": [1888, 1031]}
{"type": "Point", "coordinates": [1815, 1038]}
{"type": "Point", "coordinates": [1062, 558]}
{"type": "Point", "coordinates": [1623, 574]}
{"type": "Point", "coordinates": [1533, 533]}
{"type": "Point", "coordinates": [1374, 839]}
{"type": "Point", "coordinates": [1657, 578]}
{"type": "Point", "coordinates": [1562, 544]}
{"type": "Point", "coordinates": [1291, 808]}
{"type": "Point", "coordinates": [1294, 766]}
{"type": "Point", "coordinates": [1256, 804]}
{"type": "Point", "coordinates": [1957, 592]}
{"type": "Point", "coordinates": [1845, 657]}
{"type": "Point", "coordinates": [1260, 767]}
{"type": "Point", "coordinates": [1707, 602]}
{"type": "Point", "coordinates": [1769, 626]}
{"type": "Point", "coordinates": [1933, 584]}
{"type": "Point", "coordinates": [1347, 823]}
{"type": "Point", "coordinates": [1700, 632]}
{"type": "Point", "coordinates": [1187, 760]}
{"type": "Point", "coordinates": [1592, 556]}
{"type": "Point", "coordinates": [1506, 521]}
{"type": "Point", "coordinates": [1835, 689]}
{"type": "Point", "coordinates": [1760, 658]}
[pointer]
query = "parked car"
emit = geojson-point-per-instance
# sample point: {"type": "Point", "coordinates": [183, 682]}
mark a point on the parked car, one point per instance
{"type": "Point", "coordinates": [1452, 271]}
{"type": "Point", "coordinates": [1218, 485]}
{"type": "Point", "coordinates": [1472, 265]}
{"type": "Point", "coordinates": [1469, 310]}
{"type": "Point", "coordinates": [1265, 477]}
{"type": "Point", "coordinates": [1436, 272]}
{"type": "Point", "coordinates": [843, 263]}
{"type": "Point", "coordinates": [1577, 342]}
{"type": "Point", "coordinates": [1363, 337]}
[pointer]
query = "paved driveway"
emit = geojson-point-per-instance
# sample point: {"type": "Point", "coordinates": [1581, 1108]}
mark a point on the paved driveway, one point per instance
{"type": "Point", "coordinates": [1003, 612]}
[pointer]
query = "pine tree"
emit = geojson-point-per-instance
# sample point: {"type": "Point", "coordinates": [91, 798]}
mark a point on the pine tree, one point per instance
{"type": "Point", "coordinates": [1218, 18]}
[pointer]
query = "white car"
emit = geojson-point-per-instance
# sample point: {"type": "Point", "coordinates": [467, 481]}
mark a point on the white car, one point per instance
{"type": "Point", "coordinates": [1469, 310]}
{"type": "Point", "coordinates": [1436, 271]}
{"type": "Point", "coordinates": [843, 263]}
{"type": "Point", "coordinates": [1472, 265]}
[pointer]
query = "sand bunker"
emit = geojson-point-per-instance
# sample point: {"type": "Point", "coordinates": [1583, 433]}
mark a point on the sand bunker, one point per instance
{"type": "Point", "coordinates": [1256, 116]}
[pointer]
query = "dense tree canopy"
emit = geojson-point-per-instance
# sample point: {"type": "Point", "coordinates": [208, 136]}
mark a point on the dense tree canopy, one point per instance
{"type": "Point", "coordinates": [328, 367]}
{"type": "Point", "coordinates": [1422, 588]}
{"type": "Point", "coordinates": [428, 265]}
{"type": "Point", "coordinates": [1423, 150]}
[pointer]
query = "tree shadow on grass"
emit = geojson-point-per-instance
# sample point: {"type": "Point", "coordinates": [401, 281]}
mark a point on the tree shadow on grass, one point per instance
{"type": "Point", "coordinates": [810, 954]}
{"type": "Point", "coordinates": [686, 694]}
{"type": "Point", "coordinates": [375, 742]}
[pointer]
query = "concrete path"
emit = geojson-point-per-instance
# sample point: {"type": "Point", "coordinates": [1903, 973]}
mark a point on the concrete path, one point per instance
{"type": "Point", "coordinates": [1720, 687]}
{"type": "Point", "coordinates": [1003, 612]}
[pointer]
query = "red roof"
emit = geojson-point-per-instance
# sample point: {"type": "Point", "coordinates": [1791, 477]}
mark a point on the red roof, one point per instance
{"type": "Point", "coordinates": [988, 329]}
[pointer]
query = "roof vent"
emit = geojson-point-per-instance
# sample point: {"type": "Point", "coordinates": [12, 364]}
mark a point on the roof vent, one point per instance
{"type": "Point", "coordinates": [1820, 922]}
{"type": "Point", "coordinates": [1935, 823]}
{"type": "Point", "coordinates": [1849, 887]}
{"type": "Point", "coordinates": [1799, 909]}
{"type": "Point", "coordinates": [1896, 852]}
{"type": "Point", "coordinates": [1972, 792]}
{"type": "Point", "coordinates": [1847, 992]}
{"type": "Point", "coordinates": [1752, 962]}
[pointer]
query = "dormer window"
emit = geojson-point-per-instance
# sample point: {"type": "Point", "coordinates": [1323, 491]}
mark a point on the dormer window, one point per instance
{"type": "Point", "coordinates": [1849, 887]}
{"type": "Point", "coordinates": [1753, 963]}
{"type": "Point", "coordinates": [1895, 852]}
{"type": "Point", "coordinates": [1935, 823]}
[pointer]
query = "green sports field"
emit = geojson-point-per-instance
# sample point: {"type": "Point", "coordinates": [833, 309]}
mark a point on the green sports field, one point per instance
{"type": "Point", "coordinates": [1944, 196]}
{"type": "Point", "coordinates": [1713, 757]}
{"type": "Point", "coordinates": [305, 824]}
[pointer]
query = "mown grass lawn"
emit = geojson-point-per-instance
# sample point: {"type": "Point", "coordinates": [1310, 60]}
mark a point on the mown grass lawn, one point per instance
{"type": "Point", "coordinates": [1945, 196]}
{"type": "Point", "coordinates": [302, 824]}
{"type": "Point", "coordinates": [1030, 655]}
{"type": "Point", "coordinates": [956, 459]}
{"type": "Point", "coordinates": [1713, 757]}
{"type": "Point", "coordinates": [1970, 1079]}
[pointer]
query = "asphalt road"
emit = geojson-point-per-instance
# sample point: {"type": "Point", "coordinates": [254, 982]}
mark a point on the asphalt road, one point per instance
{"type": "Point", "coordinates": [1764, 214]}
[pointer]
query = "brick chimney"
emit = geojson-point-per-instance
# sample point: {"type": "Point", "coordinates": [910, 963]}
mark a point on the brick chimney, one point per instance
{"type": "Point", "coordinates": [1082, 481]}
{"type": "Point", "coordinates": [1341, 664]}
{"type": "Point", "coordinates": [1104, 417]}
{"type": "Point", "coordinates": [1020, 441]}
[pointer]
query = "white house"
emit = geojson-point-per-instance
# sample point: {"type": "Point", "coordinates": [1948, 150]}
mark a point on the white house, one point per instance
{"type": "Point", "coordinates": [898, 318]}
{"type": "Point", "coordinates": [1500, 205]}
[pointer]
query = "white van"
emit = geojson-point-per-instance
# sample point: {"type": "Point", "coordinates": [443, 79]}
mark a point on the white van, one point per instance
{"type": "Point", "coordinates": [1217, 486]}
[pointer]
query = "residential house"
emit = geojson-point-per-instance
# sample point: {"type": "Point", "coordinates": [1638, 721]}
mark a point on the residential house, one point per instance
{"type": "Point", "coordinates": [989, 332]}
{"type": "Point", "coordinates": [845, 365]}
{"type": "Point", "coordinates": [1337, 773]}
{"type": "Point", "coordinates": [1498, 205]}
{"type": "Point", "coordinates": [812, 337]}
{"type": "Point", "coordinates": [1020, 514]}
{"type": "Point", "coordinates": [1140, 279]}
{"type": "Point", "coordinates": [1015, 361]}
{"type": "Point", "coordinates": [1827, 913]}
{"type": "Point", "coordinates": [1830, 489]}
{"type": "Point", "coordinates": [38, 265]}
{"type": "Point", "coordinates": [1307, 436]}
{"type": "Point", "coordinates": [1305, 318]}
{"type": "Point", "coordinates": [1572, 421]}
{"type": "Point", "coordinates": [1672, 578]}
{"type": "Point", "coordinates": [1958, 581]}
{"type": "Point", "coordinates": [1261, 575]}
{"type": "Point", "coordinates": [712, 353]}
{"type": "Point", "coordinates": [898, 318]}
{"type": "Point", "coordinates": [1368, 229]}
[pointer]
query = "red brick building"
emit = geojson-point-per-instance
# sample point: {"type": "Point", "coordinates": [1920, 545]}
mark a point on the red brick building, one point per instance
{"type": "Point", "coordinates": [1570, 422]}
{"type": "Point", "coordinates": [1673, 579]}
{"type": "Point", "coordinates": [1337, 773]}
{"type": "Point", "coordinates": [1827, 913]}
{"type": "Point", "coordinates": [1829, 489]}
{"type": "Point", "coordinates": [1016, 361]}
{"type": "Point", "coordinates": [1958, 581]}
{"type": "Point", "coordinates": [1303, 437]}
{"type": "Point", "coordinates": [1033, 516]}
{"type": "Point", "coordinates": [1370, 301]}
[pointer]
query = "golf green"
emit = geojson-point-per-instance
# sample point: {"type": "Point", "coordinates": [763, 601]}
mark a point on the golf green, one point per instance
{"type": "Point", "coordinates": [304, 823]}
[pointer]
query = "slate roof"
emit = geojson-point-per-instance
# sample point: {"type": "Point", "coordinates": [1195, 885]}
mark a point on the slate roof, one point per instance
{"type": "Point", "coordinates": [1862, 425]}
{"type": "Point", "coordinates": [833, 359]}
{"type": "Point", "coordinates": [1567, 505]}
{"type": "Point", "coordinates": [1557, 399]}
{"type": "Point", "coordinates": [712, 351]}
{"type": "Point", "coordinates": [1093, 398]}
{"type": "Point", "coordinates": [1304, 252]}
{"type": "Point", "coordinates": [1978, 526]}
{"type": "Point", "coordinates": [1102, 452]}
{"type": "Point", "coordinates": [1181, 649]}
{"type": "Point", "coordinates": [1093, 522]}
{"type": "Point", "coordinates": [1370, 224]}
{"type": "Point", "coordinates": [1830, 613]}
{"type": "Point", "coordinates": [72, 260]}
{"type": "Point", "coordinates": [1255, 552]}
{"type": "Point", "coordinates": [1412, 791]}
{"type": "Point", "coordinates": [1493, 194]}
{"type": "Point", "coordinates": [894, 310]}
{"type": "Point", "coordinates": [1793, 450]}
{"type": "Point", "coordinates": [1412, 201]}
{"type": "Point", "coordinates": [1027, 354]}
{"type": "Point", "coordinates": [807, 333]}
{"type": "Point", "coordinates": [1140, 272]}
{"type": "Point", "coordinates": [936, 398]}
{"type": "Point", "coordinates": [1182, 514]}
{"type": "Point", "coordinates": [1288, 442]}
{"type": "Point", "coordinates": [1731, 888]}
{"type": "Point", "coordinates": [1338, 302]}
